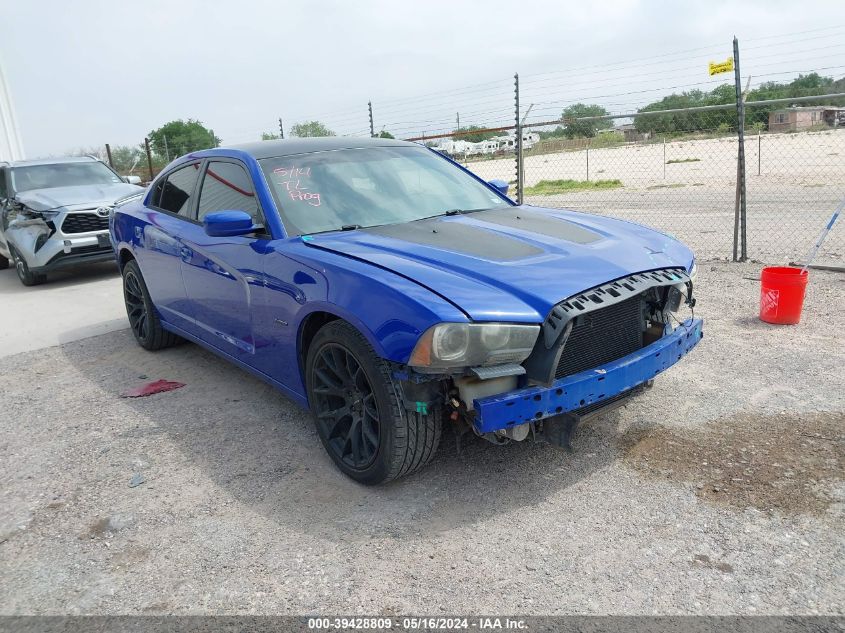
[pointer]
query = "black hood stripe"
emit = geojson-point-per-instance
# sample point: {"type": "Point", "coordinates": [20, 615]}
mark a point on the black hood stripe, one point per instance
{"type": "Point", "coordinates": [539, 223]}
{"type": "Point", "coordinates": [458, 237]}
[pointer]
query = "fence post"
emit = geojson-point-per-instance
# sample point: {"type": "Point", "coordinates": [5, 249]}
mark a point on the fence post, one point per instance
{"type": "Point", "coordinates": [108, 153]}
{"type": "Point", "coordinates": [664, 158]}
{"type": "Point", "coordinates": [149, 156]}
{"type": "Point", "coordinates": [588, 160]}
{"type": "Point", "coordinates": [370, 108]}
{"type": "Point", "coordinates": [740, 219]}
{"type": "Point", "coordinates": [518, 145]}
{"type": "Point", "coordinates": [759, 152]}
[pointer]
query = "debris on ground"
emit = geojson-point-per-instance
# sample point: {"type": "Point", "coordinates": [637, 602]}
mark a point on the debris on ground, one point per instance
{"type": "Point", "coordinates": [150, 388]}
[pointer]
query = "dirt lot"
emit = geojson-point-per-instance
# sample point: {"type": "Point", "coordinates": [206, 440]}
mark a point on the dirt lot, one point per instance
{"type": "Point", "coordinates": [720, 491]}
{"type": "Point", "coordinates": [801, 180]}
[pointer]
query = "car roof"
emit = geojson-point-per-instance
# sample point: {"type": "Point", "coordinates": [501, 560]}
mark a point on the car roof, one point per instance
{"type": "Point", "coordinates": [287, 147]}
{"type": "Point", "coordinates": [51, 161]}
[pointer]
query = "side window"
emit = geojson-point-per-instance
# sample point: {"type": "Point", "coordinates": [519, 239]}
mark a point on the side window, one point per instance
{"type": "Point", "coordinates": [227, 187]}
{"type": "Point", "coordinates": [178, 190]}
{"type": "Point", "coordinates": [155, 196]}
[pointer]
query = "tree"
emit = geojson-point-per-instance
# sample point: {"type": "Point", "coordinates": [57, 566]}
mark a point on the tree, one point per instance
{"type": "Point", "coordinates": [309, 129]}
{"type": "Point", "coordinates": [181, 137]}
{"type": "Point", "coordinates": [269, 136]}
{"type": "Point", "coordinates": [466, 134]}
{"type": "Point", "coordinates": [385, 134]}
{"type": "Point", "coordinates": [725, 120]}
{"type": "Point", "coordinates": [127, 158]}
{"type": "Point", "coordinates": [587, 129]}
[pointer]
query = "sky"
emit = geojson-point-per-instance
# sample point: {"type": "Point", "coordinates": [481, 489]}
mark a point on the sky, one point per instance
{"type": "Point", "coordinates": [85, 73]}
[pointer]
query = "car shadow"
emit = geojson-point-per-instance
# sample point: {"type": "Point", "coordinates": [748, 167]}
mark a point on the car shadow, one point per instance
{"type": "Point", "coordinates": [64, 277]}
{"type": "Point", "coordinates": [261, 450]}
{"type": "Point", "coordinates": [84, 273]}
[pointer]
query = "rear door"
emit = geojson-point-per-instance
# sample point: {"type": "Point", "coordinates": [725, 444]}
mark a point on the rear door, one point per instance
{"type": "Point", "coordinates": [169, 211]}
{"type": "Point", "coordinates": [224, 275]}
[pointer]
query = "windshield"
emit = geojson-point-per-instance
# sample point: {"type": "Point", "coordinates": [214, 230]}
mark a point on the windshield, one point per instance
{"type": "Point", "coordinates": [62, 175]}
{"type": "Point", "coordinates": [356, 188]}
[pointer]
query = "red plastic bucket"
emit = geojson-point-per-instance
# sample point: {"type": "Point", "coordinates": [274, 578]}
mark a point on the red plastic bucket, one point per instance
{"type": "Point", "coordinates": [782, 294]}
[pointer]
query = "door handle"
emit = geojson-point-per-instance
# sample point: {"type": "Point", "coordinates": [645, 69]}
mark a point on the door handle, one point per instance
{"type": "Point", "coordinates": [186, 253]}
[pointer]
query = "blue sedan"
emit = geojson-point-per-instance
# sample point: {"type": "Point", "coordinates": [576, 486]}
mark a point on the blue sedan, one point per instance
{"type": "Point", "coordinates": [391, 291]}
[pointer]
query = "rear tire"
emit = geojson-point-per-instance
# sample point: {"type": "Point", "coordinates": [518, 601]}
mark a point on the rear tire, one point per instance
{"type": "Point", "coordinates": [143, 318]}
{"type": "Point", "coordinates": [358, 410]}
{"type": "Point", "coordinates": [27, 277]}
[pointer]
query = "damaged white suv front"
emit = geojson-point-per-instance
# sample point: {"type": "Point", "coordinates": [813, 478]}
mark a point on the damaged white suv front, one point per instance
{"type": "Point", "coordinates": [55, 213]}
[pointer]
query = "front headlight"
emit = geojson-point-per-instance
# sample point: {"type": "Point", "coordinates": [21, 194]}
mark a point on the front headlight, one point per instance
{"type": "Point", "coordinates": [473, 344]}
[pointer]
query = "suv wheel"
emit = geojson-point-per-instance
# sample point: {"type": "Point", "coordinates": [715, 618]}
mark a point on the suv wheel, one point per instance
{"type": "Point", "coordinates": [359, 413]}
{"type": "Point", "coordinates": [27, 277]}
{"type": "Point", "coordinates": [143, 318]}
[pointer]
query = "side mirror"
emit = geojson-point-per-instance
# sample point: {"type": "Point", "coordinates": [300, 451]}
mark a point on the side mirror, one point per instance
{"type": "Point", "coordinates": [132, 180]}
{"type": "Point", "coordinates": [228, 224]}
{"type": "Point", "coordinates": [499, 185]}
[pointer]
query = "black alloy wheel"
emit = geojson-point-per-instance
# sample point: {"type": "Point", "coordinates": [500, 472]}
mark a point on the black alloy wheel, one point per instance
{"type": "Point", "coordinates": [136, 308]}
{"type": "Point", "coordinates": [143, 318]}
{"type": "Point", "coordinates": [361, 416]}
{"type": "Point", "coordinates": [345, 406]}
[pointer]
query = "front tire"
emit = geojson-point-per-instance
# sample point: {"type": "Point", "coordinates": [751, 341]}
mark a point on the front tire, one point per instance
{"type": "Point", "coordinates": [359, 414]}
{"type": "Point", "coordinates": [143, 318]}
{"type": "Point", "coordinates": [26, 276]}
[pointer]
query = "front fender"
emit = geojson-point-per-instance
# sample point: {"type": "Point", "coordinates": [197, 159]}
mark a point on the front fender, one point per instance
{"type": "Point", "coordinates": [388, 309]}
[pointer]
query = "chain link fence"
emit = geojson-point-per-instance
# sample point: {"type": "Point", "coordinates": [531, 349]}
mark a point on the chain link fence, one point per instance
{"type": "Point", "coordinates": [686, 183]}
{"type": "Point", "coordinates": [609, 139]}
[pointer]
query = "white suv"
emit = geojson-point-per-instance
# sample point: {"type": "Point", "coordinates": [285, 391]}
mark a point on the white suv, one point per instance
{"type": "Point", "coordinates": [55, 213]}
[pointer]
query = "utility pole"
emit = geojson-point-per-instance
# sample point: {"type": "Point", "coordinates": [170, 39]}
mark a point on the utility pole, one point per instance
{"type": "Point", "coordinates": [166, 151]}
{"type": "Point", "coordinates": [149, 156]}
{"type": "Point", "coordinates": [281, 129]}
{"type": "Point", "coordinates": [740, 212]}
{"type": "Point", "coordinates": [457, 120]}
{"type": "Point", "coordinates": [108, 153]}
{"type": "Point", "coordinates": [370, 108]}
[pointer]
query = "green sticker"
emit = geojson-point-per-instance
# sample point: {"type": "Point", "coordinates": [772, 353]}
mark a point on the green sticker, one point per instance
{"type": "Point", "coordinates": [307, 238]}
{"type": "Point", "coordinates": [422, 407]}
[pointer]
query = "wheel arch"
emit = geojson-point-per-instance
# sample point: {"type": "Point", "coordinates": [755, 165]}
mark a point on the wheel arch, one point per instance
{"type": "Point", "coordinates": [124, 255]}
{"type": "Point", "coordinates": [321, 316]}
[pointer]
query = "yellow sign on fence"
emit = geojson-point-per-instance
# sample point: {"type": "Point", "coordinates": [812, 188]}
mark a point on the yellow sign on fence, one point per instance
{"type": "Point", "coordinates": [722, 67]}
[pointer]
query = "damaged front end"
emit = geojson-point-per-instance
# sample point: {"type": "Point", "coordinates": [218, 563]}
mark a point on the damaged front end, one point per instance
{"type": "Point", "coordinates": [594, 351]}
{"type": "Point", "coordinates": [27, 230]}
{"type": "Point", "coordinates": [43, 239]}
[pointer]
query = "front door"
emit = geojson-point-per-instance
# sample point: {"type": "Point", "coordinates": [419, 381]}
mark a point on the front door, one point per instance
{"type": "Point", "coordinates": [223, 275]}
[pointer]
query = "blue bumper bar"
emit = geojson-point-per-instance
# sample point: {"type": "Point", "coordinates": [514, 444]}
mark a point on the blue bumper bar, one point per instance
{"type": "Point", "coordinates": [588, 387]}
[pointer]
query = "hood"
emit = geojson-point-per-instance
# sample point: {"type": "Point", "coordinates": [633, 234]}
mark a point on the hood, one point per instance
{"type": "Point", "coordinates": [510, 264]}
{"type": "Point", "coordinates": [76, 196]}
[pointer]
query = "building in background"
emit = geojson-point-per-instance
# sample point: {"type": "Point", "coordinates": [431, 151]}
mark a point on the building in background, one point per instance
{"type": "Point", "coordinates": [801, 118]}
{"type": "Point", "coordinates": [11, 147]}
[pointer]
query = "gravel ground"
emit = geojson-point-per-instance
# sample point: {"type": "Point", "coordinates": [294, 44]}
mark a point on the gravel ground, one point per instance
{"type": "Point", "coordinates": [720, 491]}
